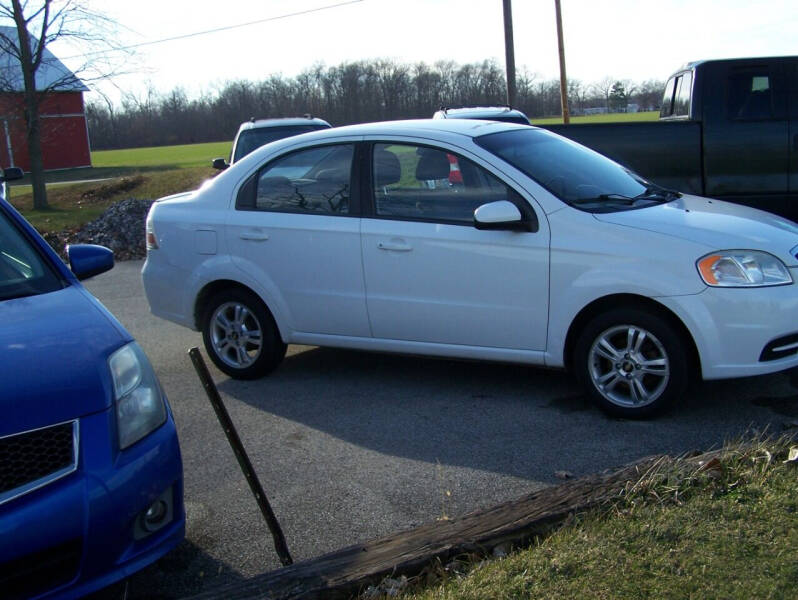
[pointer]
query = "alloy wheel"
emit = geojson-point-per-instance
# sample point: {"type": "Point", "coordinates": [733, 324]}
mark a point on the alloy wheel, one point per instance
{"type": "Point", "coordinates": [236, 335]}
{"type": "Point", "coordinates": [629, 366]}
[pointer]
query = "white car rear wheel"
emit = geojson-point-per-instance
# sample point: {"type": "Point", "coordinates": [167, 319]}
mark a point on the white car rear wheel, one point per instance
{"type": "Point", "coordinates": [240, 335]}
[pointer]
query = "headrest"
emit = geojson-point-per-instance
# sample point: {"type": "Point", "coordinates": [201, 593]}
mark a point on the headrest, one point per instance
{"type": "Point", "coordinates": [432, 164]}
{"type": "Point", "coordinates": [387, 169]}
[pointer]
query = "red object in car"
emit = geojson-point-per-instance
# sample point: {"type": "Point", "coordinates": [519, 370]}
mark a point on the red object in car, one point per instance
{"type": "Point", "coordinates": [455, 176]}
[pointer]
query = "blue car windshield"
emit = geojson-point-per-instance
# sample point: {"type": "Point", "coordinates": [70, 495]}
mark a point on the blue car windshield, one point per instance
{"type": "Point", "coordinates": [23, 270]}
{"type": "Point", "coordinates": [577, 175]}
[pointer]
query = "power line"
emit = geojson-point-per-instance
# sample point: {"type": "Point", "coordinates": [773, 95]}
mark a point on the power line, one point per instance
{"type": "Point", "coordinates": [225, 28]}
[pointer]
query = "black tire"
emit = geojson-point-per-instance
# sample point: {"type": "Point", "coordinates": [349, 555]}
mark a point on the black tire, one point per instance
{"type": "Point", "coordinates": [240, 335]}
{"type": "Point", "coordinates": [631, 362]}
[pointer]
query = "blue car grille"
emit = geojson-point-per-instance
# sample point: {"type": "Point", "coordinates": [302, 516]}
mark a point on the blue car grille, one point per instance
{"type": "Point", "coordinates": [39, 572]}
{"type": "Point", "coordinates": [33, 459]}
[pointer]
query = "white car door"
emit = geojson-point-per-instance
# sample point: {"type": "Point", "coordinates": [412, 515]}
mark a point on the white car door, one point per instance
{"type": "Point", "coordinates": [431, 276]}
{"type": "Point", "coordinates": [291, 231]}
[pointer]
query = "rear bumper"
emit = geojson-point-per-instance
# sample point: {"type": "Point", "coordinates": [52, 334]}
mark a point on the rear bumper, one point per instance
{"type": "Point", "coordinates": [165, 288]}
{"type": "Point", "coordinates": [79, 534]}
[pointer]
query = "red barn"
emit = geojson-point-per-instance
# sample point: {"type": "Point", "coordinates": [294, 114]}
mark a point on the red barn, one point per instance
{"type": "Point", "coordinates": [64, 132]}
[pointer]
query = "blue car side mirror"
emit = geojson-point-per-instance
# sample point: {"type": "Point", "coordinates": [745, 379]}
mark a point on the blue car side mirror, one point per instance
{"type": "Point", "coordinates": [88, 260]}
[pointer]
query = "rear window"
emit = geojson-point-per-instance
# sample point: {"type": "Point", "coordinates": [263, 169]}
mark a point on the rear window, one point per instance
{"type": "Point", "coordinates": [251, 139]}
{"type": "Point", "coordinates": [750, 95]}
{"type": "Point", "coordinates": [23, 271]}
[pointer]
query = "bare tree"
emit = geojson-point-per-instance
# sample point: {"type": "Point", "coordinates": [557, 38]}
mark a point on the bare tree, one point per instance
{"type": "Point", "coordinates": [36, 25]}
{"type": "Point", "coordinates": [603, 88]}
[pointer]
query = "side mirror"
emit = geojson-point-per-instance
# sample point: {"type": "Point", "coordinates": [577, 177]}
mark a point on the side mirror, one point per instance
{"type": "Point", "coordinates": [220, 164]}
{"type": "Point", "coordinates": [501, 215]}
{"type": "Point", "coordinates": [88, 260]}
{"type": "Point", "coordinates": [12, 174]}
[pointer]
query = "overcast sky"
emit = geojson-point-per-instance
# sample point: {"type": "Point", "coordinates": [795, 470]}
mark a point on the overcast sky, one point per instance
{"type": "Point", "coordinates": [624, 39]}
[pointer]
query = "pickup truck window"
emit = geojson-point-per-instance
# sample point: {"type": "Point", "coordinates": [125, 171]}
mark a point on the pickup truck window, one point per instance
{"type": "Point", "coordinates": [750, 96]}
{"type": "Point", "coordinates": [667, 98]}
{"type": "Point", "coordinates": [676, 99]}
{"type": "Point", "coordinates": [681, 104]}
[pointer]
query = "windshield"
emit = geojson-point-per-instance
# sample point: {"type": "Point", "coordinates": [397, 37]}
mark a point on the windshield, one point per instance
{"type": "Point", "coordinates": [23, 271]}
{"type": "Point", "coordinates": [250, 139]}
{"type": "Point", "coordinates": [577, 175]}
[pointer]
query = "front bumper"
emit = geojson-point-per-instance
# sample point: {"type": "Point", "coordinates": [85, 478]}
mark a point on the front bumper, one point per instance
{"type": "Point", "coordinates": [79, 534]}
{"type": "Point", "coordinates": [734, 327]}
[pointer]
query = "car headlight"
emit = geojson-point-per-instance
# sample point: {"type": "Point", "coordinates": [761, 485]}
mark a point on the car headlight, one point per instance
{"type": "Point", "coordinates": [140, 406]}
{"type": "Point", "coordinates": [742, 268]}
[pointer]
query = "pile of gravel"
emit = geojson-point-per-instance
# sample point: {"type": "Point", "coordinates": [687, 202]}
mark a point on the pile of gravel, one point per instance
{"type": "Point", "coordinates": [120, 228]}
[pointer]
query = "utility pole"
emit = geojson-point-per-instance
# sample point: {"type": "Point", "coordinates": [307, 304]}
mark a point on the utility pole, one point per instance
{"type": "Point", "coordinates": [509, 52]}
{"type": "Point", "coordinates": [566, 117]}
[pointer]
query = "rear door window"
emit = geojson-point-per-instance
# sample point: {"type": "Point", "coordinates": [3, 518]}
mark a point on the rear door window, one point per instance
{"type": "Point", "coordinates": [314, 180]}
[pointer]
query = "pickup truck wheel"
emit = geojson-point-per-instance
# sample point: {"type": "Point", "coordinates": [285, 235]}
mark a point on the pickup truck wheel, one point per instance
{"type": "Point", "coordinates": [240, 335]}
{"type": "Point", "coordinates": [631, 362]}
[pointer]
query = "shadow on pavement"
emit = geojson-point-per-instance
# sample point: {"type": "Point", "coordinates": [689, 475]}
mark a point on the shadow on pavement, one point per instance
{"type": "Point", "coordinates": [479, 415]}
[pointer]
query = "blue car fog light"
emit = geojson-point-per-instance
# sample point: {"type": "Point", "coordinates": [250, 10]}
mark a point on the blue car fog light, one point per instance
{"type": "Point", "coordinates": [156, 516]}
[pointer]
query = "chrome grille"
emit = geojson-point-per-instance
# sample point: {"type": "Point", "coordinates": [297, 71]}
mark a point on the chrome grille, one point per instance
{"type": "Point", "coordinates": [32, 459]}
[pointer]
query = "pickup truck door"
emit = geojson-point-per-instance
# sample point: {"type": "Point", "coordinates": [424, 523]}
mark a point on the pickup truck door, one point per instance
{"type": "Point", "coordinates": [747, 133]}
{"type": "Point", "coordinates": [792, 78]}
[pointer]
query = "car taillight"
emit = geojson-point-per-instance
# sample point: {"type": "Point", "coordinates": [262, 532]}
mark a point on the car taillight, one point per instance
{"type": "Point", "coordinates": [152, 239]}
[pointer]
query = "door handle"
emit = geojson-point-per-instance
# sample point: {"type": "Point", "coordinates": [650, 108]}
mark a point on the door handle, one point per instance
{"type": "Point", "coordinates": [255, 237]}
{"type": "Point", "coordinates": [394, 246]}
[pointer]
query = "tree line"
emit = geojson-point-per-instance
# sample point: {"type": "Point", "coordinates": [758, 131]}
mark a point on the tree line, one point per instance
{"type": "Point", "coordinates": [351, 92]}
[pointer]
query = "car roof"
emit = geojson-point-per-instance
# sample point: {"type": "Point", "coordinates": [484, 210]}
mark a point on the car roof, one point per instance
{"type": "Point", "coordinates": [417, 127]}
{"type": "Point", "coordinates": [282, 122]}
{"type": "Point", "coordinates": [480, 112]}
{"type": "Point", "coordinates": [445, 130]}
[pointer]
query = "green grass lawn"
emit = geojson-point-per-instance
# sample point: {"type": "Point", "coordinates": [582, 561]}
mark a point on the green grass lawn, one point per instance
{"type": "Point", "coordinates": [145, 173]}
{"type": "Point", "coordinates": [728, 532]}
{"type": "Point", "coordinates": [163, 157]}
{"type": "Point", "coordinates": [608, 118]}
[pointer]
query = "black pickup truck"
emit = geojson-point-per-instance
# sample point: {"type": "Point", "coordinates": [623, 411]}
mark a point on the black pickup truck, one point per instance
{"type": "Point", "coordinates": [728, 129]}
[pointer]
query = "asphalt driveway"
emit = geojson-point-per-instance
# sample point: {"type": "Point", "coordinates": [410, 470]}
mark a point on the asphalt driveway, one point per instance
{"type": "Point", "coordinates": [351, 446]}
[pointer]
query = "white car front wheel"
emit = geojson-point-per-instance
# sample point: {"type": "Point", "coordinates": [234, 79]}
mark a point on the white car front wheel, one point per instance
{"type": "Point", "coordinates": [632, 362]}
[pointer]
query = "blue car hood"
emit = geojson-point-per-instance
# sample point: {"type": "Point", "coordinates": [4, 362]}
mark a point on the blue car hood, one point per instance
{"type": "Point", "coordinates": [54, 352]}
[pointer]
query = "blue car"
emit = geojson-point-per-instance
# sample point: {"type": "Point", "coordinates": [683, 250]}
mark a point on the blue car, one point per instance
{"type": "Point", "coordinates": [91, 478]}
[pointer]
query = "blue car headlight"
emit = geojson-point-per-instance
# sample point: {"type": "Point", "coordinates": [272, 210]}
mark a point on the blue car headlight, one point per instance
{"type": "Point", "coordinates": [140, 407]}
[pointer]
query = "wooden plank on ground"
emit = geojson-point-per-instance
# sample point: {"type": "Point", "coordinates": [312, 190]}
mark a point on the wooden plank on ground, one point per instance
{"type": "Point", "coordinates": [346, 572]}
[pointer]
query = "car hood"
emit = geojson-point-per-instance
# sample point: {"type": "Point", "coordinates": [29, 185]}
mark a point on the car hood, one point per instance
{"type": "Point", "coordinates": [716, 224]}
{"type": "Point", "coordinates": [53, 358]}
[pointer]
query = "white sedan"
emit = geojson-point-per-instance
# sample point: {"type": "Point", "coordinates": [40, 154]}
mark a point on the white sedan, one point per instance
{"type": "Point", "coordinates": [475, 240]}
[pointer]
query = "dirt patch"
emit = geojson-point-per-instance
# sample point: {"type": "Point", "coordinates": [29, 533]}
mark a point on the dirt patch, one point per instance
{"type": "Point", "coordinates": [108, 190]}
